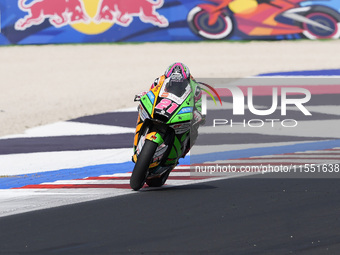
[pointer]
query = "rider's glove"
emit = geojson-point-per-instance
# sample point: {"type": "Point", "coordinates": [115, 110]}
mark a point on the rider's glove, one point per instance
{"type": "Point", "coordinates": [139, 96]}
{"type": "Point", "coordinates": [198, 118]}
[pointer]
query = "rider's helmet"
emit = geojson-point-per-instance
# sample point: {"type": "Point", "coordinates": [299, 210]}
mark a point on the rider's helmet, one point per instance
{"type": "Point", "coordinates": [178, 68]}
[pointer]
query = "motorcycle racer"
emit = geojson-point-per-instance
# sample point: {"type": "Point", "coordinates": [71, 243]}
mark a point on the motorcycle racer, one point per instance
{"type": "Point", "coordinates": [178, 73]}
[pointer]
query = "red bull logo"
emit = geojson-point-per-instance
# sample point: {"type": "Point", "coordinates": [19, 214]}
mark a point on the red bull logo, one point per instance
{"type": "Point", "coordinates": [123, 12]}
{"type": "Point", "coordinates": [59, 13]}
{"type": "Point", "coordinates": [90, 16]}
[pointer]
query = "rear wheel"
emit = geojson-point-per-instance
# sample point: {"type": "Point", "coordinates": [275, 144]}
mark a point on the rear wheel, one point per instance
{"type": "Point", "coordinates": [198, 20]}
{"type": "Point", "coordinates": [140, 171]}
{"type": "Point", "coordinates": [158, 182]}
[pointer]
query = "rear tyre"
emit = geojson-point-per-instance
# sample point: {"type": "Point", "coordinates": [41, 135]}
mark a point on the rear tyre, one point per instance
{"type": "Point", "coordinates": [140, 171]}
{"type": "Point", "coordinates": [158, 182]}
{"type": "Point", "coordinates": [198, 21]}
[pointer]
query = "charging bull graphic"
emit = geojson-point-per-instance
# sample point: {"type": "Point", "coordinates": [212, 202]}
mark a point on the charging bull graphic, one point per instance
{"type": "Point", "coordinates": [66, 12]}
{"type": "Point", "coordinates": [122, 12]}
{"type": "Point", "coordinates": [59, 13]}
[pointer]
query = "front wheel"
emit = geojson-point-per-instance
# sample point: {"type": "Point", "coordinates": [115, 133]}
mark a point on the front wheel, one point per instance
{"type": "Point", "coordinates": [329, 21]}
{"type": "Point", "coordinates": [198, 20]}
{"type": "Point", "coordinates": [140, 171]}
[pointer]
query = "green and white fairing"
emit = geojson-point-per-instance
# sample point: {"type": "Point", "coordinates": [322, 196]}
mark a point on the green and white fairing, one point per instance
{"type": "Point", "coordinates": [168, 110]}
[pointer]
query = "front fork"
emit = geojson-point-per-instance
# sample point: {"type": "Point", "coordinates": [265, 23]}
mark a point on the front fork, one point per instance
{"type": "Point", "coordinates": [155, 132]}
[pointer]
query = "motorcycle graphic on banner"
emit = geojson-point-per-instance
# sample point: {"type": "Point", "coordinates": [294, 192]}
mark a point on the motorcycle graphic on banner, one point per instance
{"type": "Point", "coordinates": [219, 19]}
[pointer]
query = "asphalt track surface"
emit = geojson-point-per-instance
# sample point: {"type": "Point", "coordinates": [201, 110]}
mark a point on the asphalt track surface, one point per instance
{"type": "Point", "coordinates": [233, 216]}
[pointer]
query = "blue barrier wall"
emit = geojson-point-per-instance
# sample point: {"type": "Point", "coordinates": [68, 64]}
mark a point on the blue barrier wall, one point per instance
{"type": "Point", "coordinates": [91, 21]}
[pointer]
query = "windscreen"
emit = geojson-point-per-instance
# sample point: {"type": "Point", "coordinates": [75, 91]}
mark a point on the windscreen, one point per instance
{"type": "Point", "coordinates": [177, 87]}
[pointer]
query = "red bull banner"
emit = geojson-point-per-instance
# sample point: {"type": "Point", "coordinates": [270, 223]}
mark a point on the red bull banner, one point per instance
{"type": "Point", "coordinates": [91, 21]}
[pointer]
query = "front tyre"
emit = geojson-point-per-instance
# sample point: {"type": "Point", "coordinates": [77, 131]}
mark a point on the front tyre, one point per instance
{"type": "Point", "coordinates": [140, 171]}
{"type": "Point", "coordinates": [198, 20]}
{"type": "Point", "coordinates": [326, 17]}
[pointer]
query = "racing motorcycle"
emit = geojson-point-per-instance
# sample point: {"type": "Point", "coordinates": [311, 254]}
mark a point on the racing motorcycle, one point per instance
{"type": "Point", "coordinates": [162, 132]}
{"type": "Point", "coordinates": [218, 19]}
